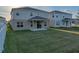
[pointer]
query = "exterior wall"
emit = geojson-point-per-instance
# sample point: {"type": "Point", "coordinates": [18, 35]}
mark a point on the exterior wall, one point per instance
{"type": "Point", "coordinates": [26, 14]}
{"type": "Point", "coordinates": [26, 25]}
{"type": "Point", "coordinates": [46, 27]}
{"type": "Point", "coordinates": [54, 20]}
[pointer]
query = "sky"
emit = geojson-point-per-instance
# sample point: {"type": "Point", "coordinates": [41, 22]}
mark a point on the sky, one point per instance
{"type": "Point", "coordinates": [65, 8]}
{"type": "Point", "coordinates": [5, 10]}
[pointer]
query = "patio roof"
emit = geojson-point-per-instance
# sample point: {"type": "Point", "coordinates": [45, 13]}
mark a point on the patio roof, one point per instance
{"type": "Point", "coordinates": [38, 18]}
{"type": "Point", "coordinates": [67, 19]}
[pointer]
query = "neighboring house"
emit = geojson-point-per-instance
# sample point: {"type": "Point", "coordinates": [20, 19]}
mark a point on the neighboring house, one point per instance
{"type": "Point", "coordinates": [75, 16]}
{"type": "Point", "coordinates": [60, 19]}
{"type": "Point", "coordinates": [75, 22]}
{"type": "Point", "coordinates": [27, 18]}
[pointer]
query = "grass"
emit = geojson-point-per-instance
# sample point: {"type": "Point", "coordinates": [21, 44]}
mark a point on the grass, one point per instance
{"type": "Point", "coordinates": [50, 41]}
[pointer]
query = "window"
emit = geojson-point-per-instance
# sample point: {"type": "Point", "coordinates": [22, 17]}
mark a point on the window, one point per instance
{"type": "Point", "coordinates": [19, 24]}
{"type": "Point", "coordinates": [78, 13]}
{"type": "Point", "coordinates": [45, 24]}
{"type": "Point", "coordinates": [17, 14]}
{"type": "Point", "coordinates": [63, 22]}
{"type": "Point", "coordinates": [63, 16]}
{"type": "Point", "coordinates": [56, 16]}
{"type": "Point", "coordinates": [73, 21]}
{"type": "Point", "coordinates": [31, 24]}
{"type": "Point", "coordinates": [38, 14]}
{"type": "Point", "coordinates": [31, 14]}
{"type": "Point", "coordinates": [53, 16]}
{"type": "Point", "coordinates": [57, 23]}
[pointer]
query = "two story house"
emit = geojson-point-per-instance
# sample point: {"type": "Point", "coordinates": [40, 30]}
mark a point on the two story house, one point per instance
{"type": "Point", "coordinates": [27, 18]}
{"type": "Point", "coordinates": [60, 19]}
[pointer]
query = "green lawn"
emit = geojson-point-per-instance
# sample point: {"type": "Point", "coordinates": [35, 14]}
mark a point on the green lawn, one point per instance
{"type": "Point", "coordinates": [42, 41]}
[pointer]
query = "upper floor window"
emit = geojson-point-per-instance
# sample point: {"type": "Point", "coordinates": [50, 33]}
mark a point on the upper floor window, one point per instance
{"type": "Point", "coordinates": [31, 14]}
{"type": "Point", "coordinates": [53, 16]}
{"type": "Point", "coordinates": [56, 16]}
{"type": "Point", "coordinates": [38, 14]}
{"type": "Point", "coordinates": [17, 14]}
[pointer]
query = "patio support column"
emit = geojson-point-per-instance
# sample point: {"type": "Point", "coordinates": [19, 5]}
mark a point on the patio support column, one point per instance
{"type": "Point", "coordinates": [33, 25]}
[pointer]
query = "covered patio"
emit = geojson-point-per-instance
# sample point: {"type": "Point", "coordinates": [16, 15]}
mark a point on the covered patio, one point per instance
{"type": "Point", "coordinates": [66, 22]}
{"type": "Point", "coordinates": [38, 23]}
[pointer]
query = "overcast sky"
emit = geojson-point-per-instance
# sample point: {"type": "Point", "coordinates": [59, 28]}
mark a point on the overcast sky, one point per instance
{"type": "Point", "coordinates": [5, 10]}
